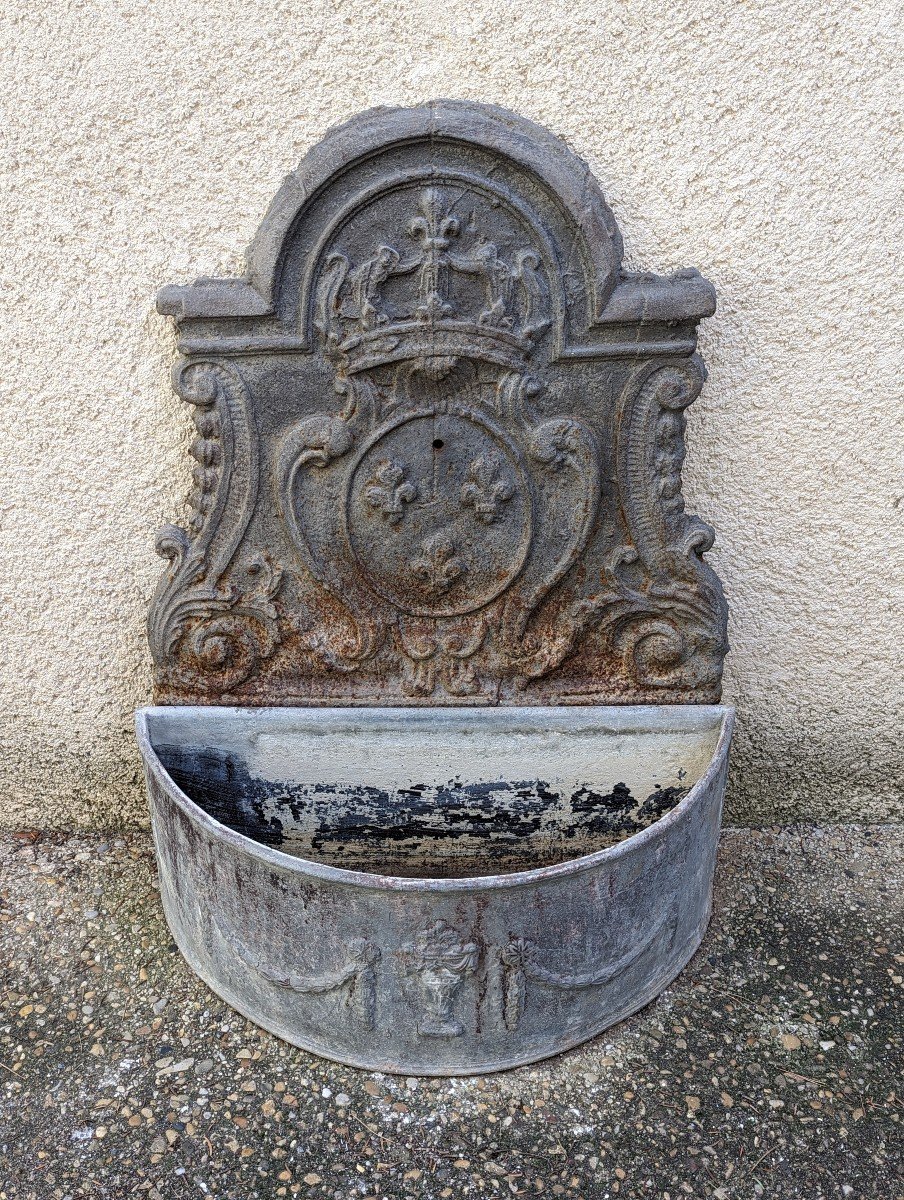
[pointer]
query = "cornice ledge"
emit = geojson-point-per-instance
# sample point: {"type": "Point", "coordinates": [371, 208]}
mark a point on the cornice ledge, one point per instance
{"type": "Point", "coordinates": [211, 298]}
{"type": "Point", "coordinates": [643, 297]}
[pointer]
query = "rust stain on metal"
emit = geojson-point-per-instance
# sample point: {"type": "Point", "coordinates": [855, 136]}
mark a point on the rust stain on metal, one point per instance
{"type": "Point", "coordinates": [434, 463]}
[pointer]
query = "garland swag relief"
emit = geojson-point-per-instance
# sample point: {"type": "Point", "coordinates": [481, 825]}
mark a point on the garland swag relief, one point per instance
{"type": "Point", "coordinates": [440, 434]}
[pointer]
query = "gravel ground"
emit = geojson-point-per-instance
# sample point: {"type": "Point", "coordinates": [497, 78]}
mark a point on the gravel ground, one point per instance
{"type": "Point", "coordinates": [771, 1068]}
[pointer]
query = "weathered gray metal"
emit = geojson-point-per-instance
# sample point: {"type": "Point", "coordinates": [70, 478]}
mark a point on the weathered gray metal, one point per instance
{"type": "Point", "coordinates": [438, 463]}
{"type": "Point", "coordinates": [410, 972]}
{"type": "Point", "coordinates": [440, 438]}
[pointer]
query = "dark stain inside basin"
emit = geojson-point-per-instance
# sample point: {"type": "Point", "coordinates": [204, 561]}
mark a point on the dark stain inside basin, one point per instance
{"type": "Point", "coordinates": [422, 830]}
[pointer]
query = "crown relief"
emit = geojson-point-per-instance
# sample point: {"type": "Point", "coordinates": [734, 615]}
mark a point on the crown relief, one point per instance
{"type": "Point", "coordinates": [355, 313]}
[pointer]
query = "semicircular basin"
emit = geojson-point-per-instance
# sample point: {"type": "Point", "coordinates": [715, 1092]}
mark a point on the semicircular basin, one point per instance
{"type": "Point", "coordinates": [436, 891]}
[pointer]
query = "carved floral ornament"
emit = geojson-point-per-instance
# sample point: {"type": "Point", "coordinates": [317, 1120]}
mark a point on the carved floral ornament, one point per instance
{"type": "Point", "coordinates": [439, 440]}
{"type": "Point", "coordinates": [446, 976]}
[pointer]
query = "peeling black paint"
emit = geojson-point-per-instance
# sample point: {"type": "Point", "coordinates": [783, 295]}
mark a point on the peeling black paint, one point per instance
{"type": "Point", "coordinates": [457, 828]}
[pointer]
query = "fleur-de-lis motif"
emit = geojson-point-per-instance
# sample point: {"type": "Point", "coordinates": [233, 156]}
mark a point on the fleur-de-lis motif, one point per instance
{"type": "Point", "coordinates": [388, 490]}
{"type": "Point", "coordinates": [434, 229]}
{"type": "Point", "coordinates": [438, 567]}
{"type": "Point", "coordinates": [486, 488]}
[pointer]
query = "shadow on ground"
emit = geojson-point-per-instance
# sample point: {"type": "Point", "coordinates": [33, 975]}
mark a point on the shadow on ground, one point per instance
{"type": "Point", "coordinates": [772, 1067]}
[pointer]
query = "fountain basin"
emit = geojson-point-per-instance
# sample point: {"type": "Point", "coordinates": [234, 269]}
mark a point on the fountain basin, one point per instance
{"type": "Point", "coordinates": [436, 891]}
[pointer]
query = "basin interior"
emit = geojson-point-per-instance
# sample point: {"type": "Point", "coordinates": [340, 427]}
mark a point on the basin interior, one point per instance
{"type": "Point", "coordinates": [436, 793]}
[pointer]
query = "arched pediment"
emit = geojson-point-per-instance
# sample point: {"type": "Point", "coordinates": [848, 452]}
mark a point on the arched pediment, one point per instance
{"type": "Point", "coordinates": [467, 152]}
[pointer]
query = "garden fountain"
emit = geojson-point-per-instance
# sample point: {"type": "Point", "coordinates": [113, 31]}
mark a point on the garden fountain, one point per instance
{"type": "Point", "coordinates": [437, 762]}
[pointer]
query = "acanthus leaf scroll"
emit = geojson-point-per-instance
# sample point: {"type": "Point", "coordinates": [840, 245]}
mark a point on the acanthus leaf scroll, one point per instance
{"type": "Point", "coordinates": [457, 484]}
{"type": "Point", "coordinates": [207, 634]}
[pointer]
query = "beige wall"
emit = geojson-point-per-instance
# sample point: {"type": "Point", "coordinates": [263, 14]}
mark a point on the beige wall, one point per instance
{"type": "Point", "coordinates": [756, 141]}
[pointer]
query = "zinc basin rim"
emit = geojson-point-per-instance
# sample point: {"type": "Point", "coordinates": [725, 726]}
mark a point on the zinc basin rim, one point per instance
{"type": "Point", "coordinates": [295, 865]}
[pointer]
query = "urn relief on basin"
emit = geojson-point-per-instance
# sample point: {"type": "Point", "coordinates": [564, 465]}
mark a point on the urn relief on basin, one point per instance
{"type": "Point", "coordinates": [437, 760]}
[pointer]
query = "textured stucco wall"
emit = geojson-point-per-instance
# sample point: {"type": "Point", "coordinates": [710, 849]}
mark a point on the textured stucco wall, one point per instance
{"type": "Point", "coordinates": [758, 141]}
